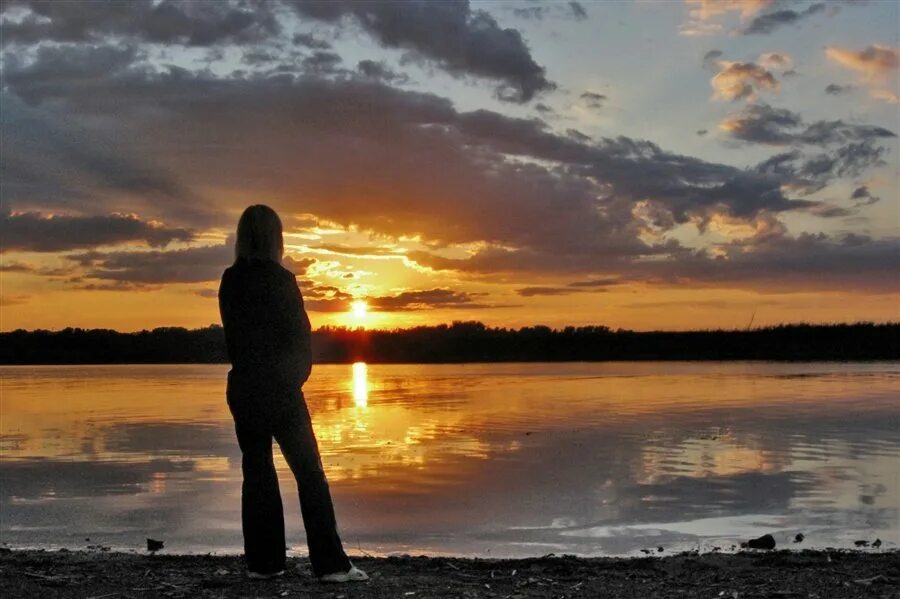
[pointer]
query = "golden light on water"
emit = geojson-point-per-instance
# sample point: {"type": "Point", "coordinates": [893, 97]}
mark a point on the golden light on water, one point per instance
{"type": "Point", "coordinates": [360, 384]}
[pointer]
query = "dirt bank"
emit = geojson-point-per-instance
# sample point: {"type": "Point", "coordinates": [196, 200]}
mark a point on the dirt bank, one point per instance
{"type": "Point", "coordinates": [806, 574]}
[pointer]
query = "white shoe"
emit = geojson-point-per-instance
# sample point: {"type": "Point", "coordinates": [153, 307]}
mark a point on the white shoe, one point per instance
{"type": "Point", "coordinates": [354, 574]}
{"type": "Point", "coordinates": [261, 576]}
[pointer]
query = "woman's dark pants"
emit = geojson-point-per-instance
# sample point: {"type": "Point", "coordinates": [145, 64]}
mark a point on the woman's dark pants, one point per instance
{"type": "Point", "coordinates": [263, 411]}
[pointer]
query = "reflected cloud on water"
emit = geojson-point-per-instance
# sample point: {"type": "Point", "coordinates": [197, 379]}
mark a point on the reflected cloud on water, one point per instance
{"type": "Point", "coordinates": [515, 459]}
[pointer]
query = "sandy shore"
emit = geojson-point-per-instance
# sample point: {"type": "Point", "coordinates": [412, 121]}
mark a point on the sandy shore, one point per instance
{"type": "Point", "coordinates": [807, 574]}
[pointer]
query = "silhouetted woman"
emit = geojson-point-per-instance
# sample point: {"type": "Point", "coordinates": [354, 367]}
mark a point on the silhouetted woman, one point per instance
{"type": "Point", "coordinates": [267, 333]}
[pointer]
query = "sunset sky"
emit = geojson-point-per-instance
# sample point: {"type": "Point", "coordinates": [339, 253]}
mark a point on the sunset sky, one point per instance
{"type": "Point", "coordinates": [644, 165]}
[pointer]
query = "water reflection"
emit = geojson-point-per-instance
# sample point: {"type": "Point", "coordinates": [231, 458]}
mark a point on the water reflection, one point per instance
{"type": "Point", "coordinates": [360, 384]}
{"type": "Point", "coordinates": [515, 459]}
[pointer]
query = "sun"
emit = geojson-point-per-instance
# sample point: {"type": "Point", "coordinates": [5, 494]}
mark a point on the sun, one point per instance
{"type": "Point", "coordinates": [359, 310]}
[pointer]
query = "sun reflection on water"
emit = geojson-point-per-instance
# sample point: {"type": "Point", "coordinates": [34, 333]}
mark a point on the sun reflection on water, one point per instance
{"type": "Point", "coordinates": [360, 384]}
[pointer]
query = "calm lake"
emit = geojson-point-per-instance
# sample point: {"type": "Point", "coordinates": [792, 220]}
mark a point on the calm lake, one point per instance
{"type": "Point", "coordinates": [476, 459]}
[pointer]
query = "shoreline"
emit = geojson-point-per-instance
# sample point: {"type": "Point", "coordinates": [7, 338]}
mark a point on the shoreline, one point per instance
{"type": "Point", "coordinates": [785, 573]}
{"type": "Point", "coordinates": [772, 360]}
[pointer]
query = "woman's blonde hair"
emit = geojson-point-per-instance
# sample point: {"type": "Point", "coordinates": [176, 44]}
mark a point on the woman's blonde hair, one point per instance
{"type": "Point", "coordinates": [259, 234]}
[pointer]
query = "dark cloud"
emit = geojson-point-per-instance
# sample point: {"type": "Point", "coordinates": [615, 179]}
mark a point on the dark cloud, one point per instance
{"type": "Point", "coordinates": [836, 90]}
{"type": "Point", "coordinates": [826, 210]}
{"type": "Point", "coordinates": [593, 99]}
{"type": "Point", "coordinates": [578, 11]}
{"type": "Point", "coordinates": [533, 291]}
{"type": "Point", "coordinates": [781, 262]}
{"type": "Point", "coordinates": [310, 41]}
{"type": "Point", "coordinates": [761, 123]}
{"type": "Point", "coordinates": [189, 265]}
{"type": "Point", "coordinates": [808, 173]}
{"type": "Point", "coordinates": [167, 22]}
{"type": "Point", "coordinates": [538, 12]}
{"type": "Point", "coordinates": [532, 13]}
{"type": "Point", "coordinates": [850, 160]}
{"type": "Point", "coordinates": [595, 283]}
{"type": "Point", "coordinates": [861, 196]}
{"type": "Point", "coordinates": [462, 41]}
{"type": "Point", "coordinates": [48, 161]}
{"type": "Point", "coordinates": [424, 299]}
{"type": "Point", "coordinates": [35, 232]}
{"type": "Point", "coordinates": [538, 290]}
{"type": "Point", "coordinates": [321, 62]}
{"type": "Point", "coordinates": [768, 22]}
{"type": "Point", "coordinates": [152, 268]}
{"type": "Point", "coordinates": [380, 71]}
{"type": "Point", "coordinates": [711, 59]}
{"type": "Point", "coordinates": [44, 271]}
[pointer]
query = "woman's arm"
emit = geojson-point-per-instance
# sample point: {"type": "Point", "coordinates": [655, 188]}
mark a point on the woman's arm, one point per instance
{"type": "Point", "coordinates": [225, 313]}
{"type": "Point", "coordinates": [299, 356]}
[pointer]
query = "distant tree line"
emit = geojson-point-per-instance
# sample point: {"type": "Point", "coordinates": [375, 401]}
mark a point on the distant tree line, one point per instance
{"type": "Point", "coordinates": [467, 342]}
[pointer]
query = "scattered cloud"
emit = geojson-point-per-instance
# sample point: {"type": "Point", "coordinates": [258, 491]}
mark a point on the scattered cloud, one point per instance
{"type": "Point", "coordinates": [702, 13]}
{"type": "Point", "coordinates": [207, 293]}
{"type": "Point", "coordinates": [533, 291]}
{"type": "Point", "coordinates": [13, 300]}
{"type": "Point", "coordinates": [861, 196]}
{"type": "Point", "coordinates": [834, 89]}
{"type": "Point", "coordinates": [596, 282]}
{"type": "Point", "coordinates": [775, 60]}
{"type": "Point", "coordinates": [593, 100]}
{"type": "Point", "coordinates": [742, 81]}
{"type": "Point", "coordinates": [406, 301]}
{"type": "Point", "coordinates": [577, 287]}
{"type": "Point", "coordinates": [874, 61]}
{"type": "Point", "coordinates": [711, 59]}
{"type": "Point", "coordinates": [768, 22]}
{"type": "Point", "coordinates": [570, 10]}
{"type": "Point", "coordinates": [707, 9]}
{"type": "Point", "coordinates": [44, 271]}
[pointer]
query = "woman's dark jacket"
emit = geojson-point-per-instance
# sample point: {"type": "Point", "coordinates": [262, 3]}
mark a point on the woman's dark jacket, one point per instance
{"type": "Point", "coordinates": [267, 331]}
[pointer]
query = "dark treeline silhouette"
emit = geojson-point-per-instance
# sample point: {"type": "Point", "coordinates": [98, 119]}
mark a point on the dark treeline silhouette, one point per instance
{"type": "Point", "coordinates": [468, 342]}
